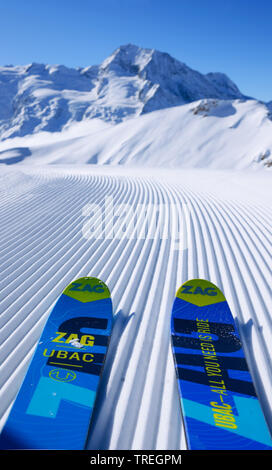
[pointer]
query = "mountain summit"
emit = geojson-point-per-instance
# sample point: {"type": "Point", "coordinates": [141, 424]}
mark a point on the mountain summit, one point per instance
{"type": "Point", "coordinates": [166, 81]}
{"type": "Point", "coordinates": [130, 82]}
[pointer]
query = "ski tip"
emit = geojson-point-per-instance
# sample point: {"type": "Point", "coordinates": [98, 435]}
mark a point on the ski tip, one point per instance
{"type": "Point", "coordinates": [200, 292]}
{"type": "Point", "coordinates": [87, 289]}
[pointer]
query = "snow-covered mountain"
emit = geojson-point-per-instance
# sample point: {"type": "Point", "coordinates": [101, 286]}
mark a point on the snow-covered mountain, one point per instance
{"type": "Point", "coordinates": [140, 106]}
{"type": "Point", "coordinates": [130, 82]}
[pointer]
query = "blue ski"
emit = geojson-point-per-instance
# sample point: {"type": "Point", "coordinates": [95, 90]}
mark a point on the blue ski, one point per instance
{"type": "Point", "coordinates": [54, 405]}
{"type": "Point", "coordinates": [218, 400]}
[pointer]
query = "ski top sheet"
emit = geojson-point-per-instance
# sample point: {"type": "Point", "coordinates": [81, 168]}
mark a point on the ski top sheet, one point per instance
{"type": "Point", "coordinates": [218, 399]}
{"type": "Point", "coordinates": [54, 405]}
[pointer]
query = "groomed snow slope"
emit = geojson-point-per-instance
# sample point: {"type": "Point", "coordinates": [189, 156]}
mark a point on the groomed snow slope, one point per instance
{"type": "Point", "coordinates": [223, 218]}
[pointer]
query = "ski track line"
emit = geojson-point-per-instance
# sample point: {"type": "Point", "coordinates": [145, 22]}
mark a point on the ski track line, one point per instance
{"type": "Point", "coordinates": [55, 235]}
{"type": "Point", "coordinates": [42, 210]}
{"type": "Point", "coordinates": [61, 235]}
{"type": "Point", "coordinates": [65, 283]}
{"type": "Point", "coordinates": [57, 230]}
{"type": "Point", "coordinates": [42, 192]}
{"type": "Point", "coordinates": [34, 274]}
{"type": "Point", "coordinates": [259, 343]}
{"type": "Point", "coordinates": [254, 235]}
{"type": "Point", "coordinates": [124, 324]}
{"type": "Point", "coordinates": [43, 248]}
{"type": "Point", "coordinates": [134, 373]}
{"type": "Point", "coordinates": [144, 384]}
{"type": "Point", "coordinates": [36, 288]}
{"type": "Point", "coordinates": [47, 223]}
{"type": "Point", "coordinates": [123, 312]}
{"type": "Point", "coordinates": [151, 398]}
{"type": "Point", "coordinates": [255, 297]}
{"type": "Point", "coordinates": [244, 305]}
{"type": "Point", "coordinates": [253, 263]}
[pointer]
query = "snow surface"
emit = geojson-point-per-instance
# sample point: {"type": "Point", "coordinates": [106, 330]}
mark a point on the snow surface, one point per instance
{"type": "Point", "coordinates": [183, 154]}
{"type": "Point", "coordinates": [230, 134]}
{"type": "Point", "coordinates": [224, 220]}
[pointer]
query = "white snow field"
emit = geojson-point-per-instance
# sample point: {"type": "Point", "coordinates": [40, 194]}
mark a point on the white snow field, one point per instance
{"type": "Point", "coordinates": [223, 134]}
{"type": "Point", "coordinates": [144, 231]}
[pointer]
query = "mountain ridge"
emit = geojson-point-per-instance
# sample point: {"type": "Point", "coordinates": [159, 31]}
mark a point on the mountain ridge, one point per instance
{"type": "Point", "coordinates": [130, 82]}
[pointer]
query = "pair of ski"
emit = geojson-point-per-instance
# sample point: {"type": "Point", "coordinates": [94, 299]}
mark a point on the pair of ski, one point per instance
{"type": "Point", "coordinates": [219, 405]}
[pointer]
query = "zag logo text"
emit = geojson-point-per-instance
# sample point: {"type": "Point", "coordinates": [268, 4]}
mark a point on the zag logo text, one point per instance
{"type": "Point", "coordinates": [76, 286]}
{"type": "Point", "coordinates": [211, 291]}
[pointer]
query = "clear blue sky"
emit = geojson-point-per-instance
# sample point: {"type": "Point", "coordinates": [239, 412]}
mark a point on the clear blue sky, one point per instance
{"type": "Point", "coordinates": [231, 36]}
